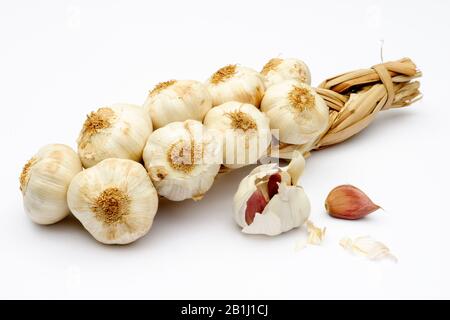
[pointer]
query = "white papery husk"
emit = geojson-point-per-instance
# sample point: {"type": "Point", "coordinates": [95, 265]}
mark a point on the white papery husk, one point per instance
{"type": "Point", "coordinates": [178, 100]}
{"type": "Point", "coordinates": [368, 247]}
{"type": "Point", "coordinates": [176, 184]}
{"type": "Point", "coordinates": [241, 146]}
{"type": "Point", "coordinates": [287, 209]}
{"type": "Point", "coordinates": [315, 234]}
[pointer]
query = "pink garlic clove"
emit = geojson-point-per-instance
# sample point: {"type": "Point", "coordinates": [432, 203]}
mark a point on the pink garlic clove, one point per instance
{"type": "Point", "coordinates": [255, 204]}
{"type": "Point", "coordinates": [272, 185]}
{"type": "Point", "coordinates": [349, 202]}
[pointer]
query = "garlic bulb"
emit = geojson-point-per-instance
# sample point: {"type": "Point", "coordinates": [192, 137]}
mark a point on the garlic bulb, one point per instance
{"type": "Point", "coordinates": [44, 182]}
{"type": "Point", "coordinates": [270, 200]}
{"type": "Point", "coordinates": [245, 132]}
{"type": "Point", "coordinates": [236, 83]}
{"type": "Point", "coordinates": [177, 100]}
{"type": "Point", "coordinates": [277, 70]}
{"type": "Point", "coordinates": [114, 200]}
{"type": "Point", "coordinates": [182, 159]}
{"type": "Point", "coordinates": [296, 110]}
{"type": "Point", "coordinates": [117, 131]}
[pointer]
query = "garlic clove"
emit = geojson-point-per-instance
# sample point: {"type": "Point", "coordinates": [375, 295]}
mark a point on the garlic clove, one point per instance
{"type": "Point", "coordinates": [115, 200]}
{"type": "Point", "coordinates": [116, 131]}
{"type": "Point", "coordinates": [281, 213]}
{"type": "Point", "coordinates": [183, 159]}
{"type": "Point", "coordinates": [298, 113]}
{"type": "Point", "coordinates": [177, 100]}
{"type": "Point", "coordinates": [273, 184]}
{"type": "Point", "coordinates": [255, 204]}
{"type": "Point", "coordinates": [236, 83]}
{"type": "Point", "coordinates": [282, 207]}
{"type": "Point", "coordinates": [348, 202]}
{"type": "Point", "coordinates": [244, 130]}
{"type": "Point", "coordinates": [277, 70]}
{"type": "Point", "coordinates": [44, 182]}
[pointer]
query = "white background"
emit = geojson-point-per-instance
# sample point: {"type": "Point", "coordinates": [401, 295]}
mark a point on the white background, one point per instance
{"type": "Point", "coordinates": [60, 60]}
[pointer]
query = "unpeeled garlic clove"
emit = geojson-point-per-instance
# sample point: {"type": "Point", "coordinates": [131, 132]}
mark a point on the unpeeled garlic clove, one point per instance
{"type": "Point", "coordinates": [349, 202]}
{"type": "Point", "coordinates": [272, 184]}
{"type": "Point", "coordinates": [255, 204]}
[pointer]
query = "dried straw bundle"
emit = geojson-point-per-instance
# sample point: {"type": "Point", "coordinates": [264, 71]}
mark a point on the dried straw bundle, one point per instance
{"type": "Point", "coordinates": [355, 98]}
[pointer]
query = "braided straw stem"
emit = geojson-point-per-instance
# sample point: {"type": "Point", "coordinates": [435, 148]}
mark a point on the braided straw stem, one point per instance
{"type": "Point", "coordinates": [355, 98]}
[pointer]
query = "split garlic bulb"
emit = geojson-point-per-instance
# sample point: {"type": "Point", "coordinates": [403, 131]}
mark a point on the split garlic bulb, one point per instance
{"type": "Point", "coordinates": [182, 159]}
{"type": "Point", "coordinates": [44, 182]}
{"type": "Point", "coordinates": [296, 110]}
{"type": "Point", "coordinates": [177, 100]}
{"type": "Point", "coordinates": [277, 70]}
{"type": "Point", "coordinates": [117, 131]}
{"type": "Point", "coordinates": [236, 83]}
{"type": "Point", "coordinates": [270, 200]}
{"type": "Point", "coordinates": [114, 200]}
{"type": "Point", "coordinates": [245, 132]}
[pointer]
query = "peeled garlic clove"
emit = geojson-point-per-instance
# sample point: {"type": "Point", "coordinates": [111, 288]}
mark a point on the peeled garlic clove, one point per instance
{"type": "Point", "coordinates": [244, 130]}
{"type": "Point", "coordinates": [236, 83]}
{"type": "Point", "coordinates": [283, 207]}
{"type": "Point", "coordinates": [277, 70]}
{"type": "Point", "coordinates": [44, 182]}
{"type": "Point", "coordinates": [182, 159]}
{"type": "Point", "coordinates": [117, 131]}
{"type": "Point", "coordinates": [296, 110]}
{"type": "Point", "coordinates": [178, 100]}
{"type": "Point", "coordinates": [349, 202]}
{"type": "Point", "coordinates": [114, 200]}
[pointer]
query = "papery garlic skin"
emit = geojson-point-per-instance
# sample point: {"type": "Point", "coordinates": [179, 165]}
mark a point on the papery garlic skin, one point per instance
{"type": "Point", "coordinates": [296, 110]}
{"type": "Point", "coordinates": [183, 159]}
{"type": "Point", "coordinates": [245, 132]}
{"type": "Point", "coordinates": [277, 70]}
{"type": "Point", "coordinates": [116, 131]}
{"type": "Point", "coordinates": [288, 208]}
{"type": "Point", "coordinates": [236, 83]}
{"type": "Point", "coordinates": [44, 182]}
{"type": "Point", "coordinates": [368, 247]}
{"type": "Point", "coordinates": [178, 100]}
{"type": "Point", "coordinates": [115, 201]}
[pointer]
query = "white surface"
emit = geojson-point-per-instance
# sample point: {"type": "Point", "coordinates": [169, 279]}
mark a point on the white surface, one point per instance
{"type": "Point", "coordinates": [61, 59]}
